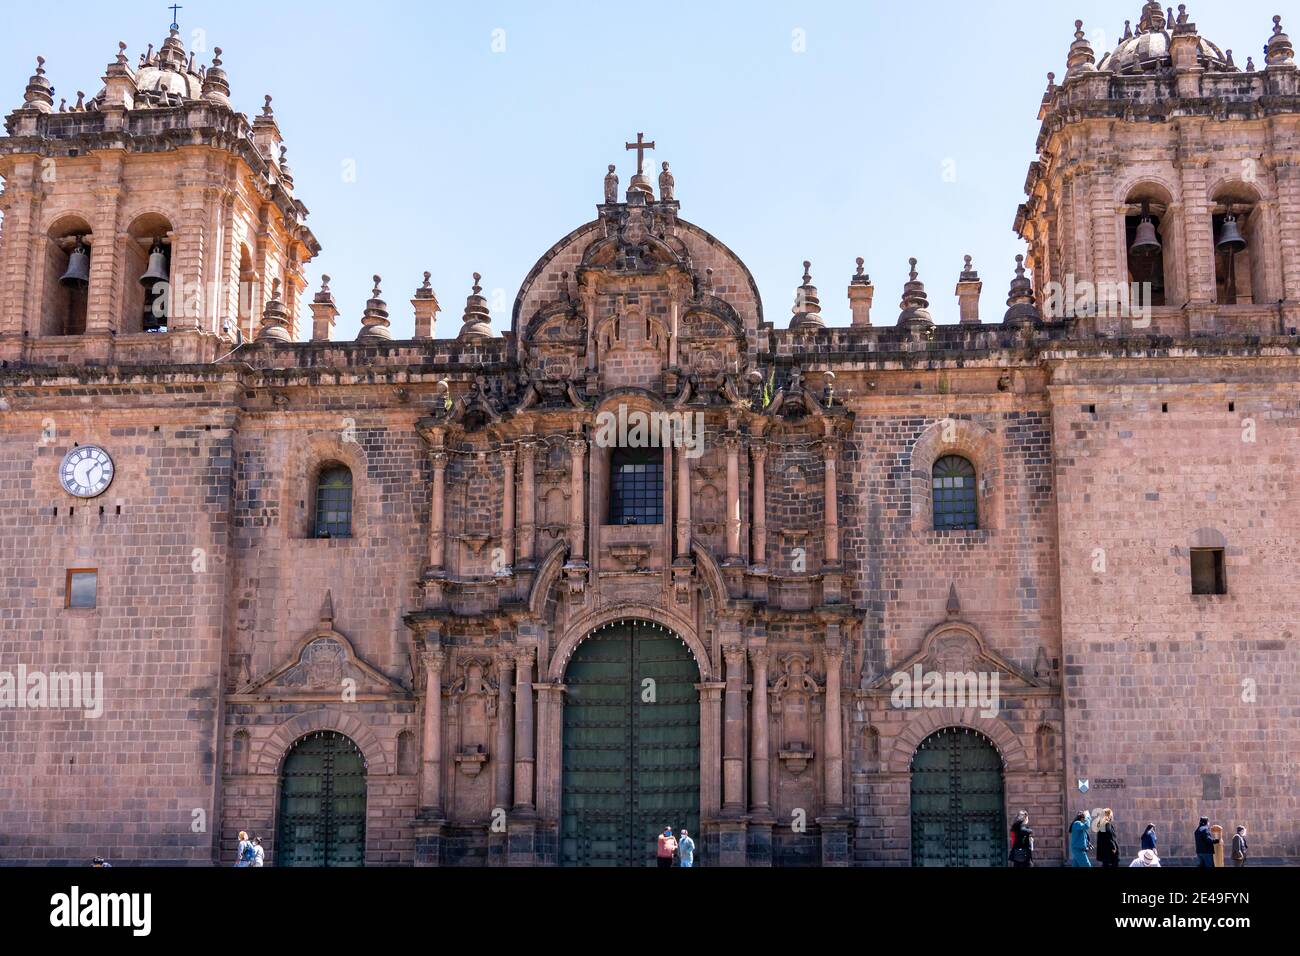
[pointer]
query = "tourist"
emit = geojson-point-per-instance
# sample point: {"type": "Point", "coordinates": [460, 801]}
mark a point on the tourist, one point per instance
{"type": "Point", "coordinates": [1146, 858]}
{"type": "Point", "coordinates": [259, 855]}
{"type": "Point", "coordinates": [685, 849]}
{"type": "Point", "coordinates": [1022, 842]}
{"type": "Point", "coordinates": [1205, 843]}
{"type": "Point", "coordinates": [1108, 840]}
{"type": "Point", "coordinates": [239, 851]}
{"type": "Point", "coordinates": [1239, 847]}
{"type": "Point", "coordinates": [1149, 837]}
{"type": "Point", "coordinates": [1080, 844]}
{"type": "Point", "coordinates": [99, 863]}
{"type": "Point", "coordinates": [665, 847]}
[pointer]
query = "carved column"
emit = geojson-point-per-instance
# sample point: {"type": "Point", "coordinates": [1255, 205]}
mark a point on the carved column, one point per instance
{"type": "Point", "coordinates": [733, 498]}
{"type": "Point", "coordinates": [431, 770]}
{"type": "Point", "coordinates": [527, 503]}
{"type": "Point", "coordinates": [524, 739]}
{"type": "Point", "coordinates": [577, 500]}
{"type": "Point", "coordinates": [759, 786]}
{"type": "Point", "coordinates": [505, 731]}
{"type": "Point", "coordinates": [831, 448]}
{"type": "Point", "coordinates": [758, 460]}
{"type": "Point", "coordinates": [507, 510]}
{"type": "Point", "coordinates": [437, 514]}
{"type": "Point", "coordinates": [733, 732]}
{"type": "Point", "coordinates": [834, 763]}
{"type": "Point", "coordinates": [683, 503]}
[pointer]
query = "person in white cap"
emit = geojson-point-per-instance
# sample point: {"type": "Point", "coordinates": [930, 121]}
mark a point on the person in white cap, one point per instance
{"type": "Point", "coordinates": [1146, 858]}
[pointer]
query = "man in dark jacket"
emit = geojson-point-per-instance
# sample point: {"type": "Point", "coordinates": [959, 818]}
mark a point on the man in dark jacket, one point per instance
{"type": "Point", "coordinates": [1205, 842]}
{"type": "Point", "coordinates": [1240, 848]}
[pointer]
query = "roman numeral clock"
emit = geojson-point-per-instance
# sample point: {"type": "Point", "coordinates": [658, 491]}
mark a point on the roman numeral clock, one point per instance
{"type": "Point", "coordinates": [86, 472]}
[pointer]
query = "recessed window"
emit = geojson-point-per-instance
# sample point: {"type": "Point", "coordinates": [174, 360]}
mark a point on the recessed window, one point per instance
{"type": "Point", "coordinates": [1208, 571]}
{"type": "Point", "coordinates": [81, 588]}
{"type": "Point", "coordinates": [636, 486]}
{"type": "Point", "coordinates": [955, 502]}
{"type": "Point", "coordinates": [334, 502]}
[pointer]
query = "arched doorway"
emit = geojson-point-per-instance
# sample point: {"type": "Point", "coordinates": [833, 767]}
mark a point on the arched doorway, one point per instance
{"type": "Point", "coordinates": [631, 750]}
{"type": "Point", "coordinates": [322, 803]}
{"type": "Point", "coordinates": [958, 816]}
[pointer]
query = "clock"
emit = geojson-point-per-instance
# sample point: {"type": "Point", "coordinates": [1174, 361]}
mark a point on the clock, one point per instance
{"type": "Point", "coordinates": [86, 472]}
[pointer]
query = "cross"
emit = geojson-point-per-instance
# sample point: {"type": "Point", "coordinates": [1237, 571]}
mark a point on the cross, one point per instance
{"type": "Point", "coordinates": [640, 146]}
{"type": "Point", "coordinates": [173, 8]}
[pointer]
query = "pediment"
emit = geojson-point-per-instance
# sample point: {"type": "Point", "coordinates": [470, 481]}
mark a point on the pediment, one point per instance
{"type": "Point", "coordinates": [957, 647]}
{"type": "Point", "coordinates": [324, 666]}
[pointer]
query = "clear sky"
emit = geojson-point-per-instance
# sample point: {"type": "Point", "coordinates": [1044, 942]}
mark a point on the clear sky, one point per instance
{"type": "Point", "coordinates": [479, 132]}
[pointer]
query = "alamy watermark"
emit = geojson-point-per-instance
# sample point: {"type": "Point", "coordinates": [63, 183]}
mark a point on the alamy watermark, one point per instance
{"type": "Point", "coordinates": [1117, 300]}
{"type": "Point", "coordinates": [25, 689]}
{"type": "Point", "coordinates": [634, 428]}
{"type": "Point", "coordinates": [918, 689]}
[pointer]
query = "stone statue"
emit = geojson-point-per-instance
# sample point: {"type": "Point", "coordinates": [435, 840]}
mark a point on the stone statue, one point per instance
{"type": "Point", "coordinates": [611, 185]}
{"type": "Point", "coordinates": [666, 185]}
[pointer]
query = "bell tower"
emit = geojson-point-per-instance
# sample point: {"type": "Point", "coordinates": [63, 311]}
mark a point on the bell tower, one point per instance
{"type": "Point", "coordinates": [146, 223]}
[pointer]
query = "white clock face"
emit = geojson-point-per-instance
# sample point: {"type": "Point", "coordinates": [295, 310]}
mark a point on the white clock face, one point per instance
{"type": "Point", "coordinates": [86, 472]}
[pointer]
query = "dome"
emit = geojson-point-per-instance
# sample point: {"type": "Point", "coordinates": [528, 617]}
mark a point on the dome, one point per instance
{"type": "Point", "coordinates": [165, 78]}
{"type": "Point", "coordinates": [1147, 50]}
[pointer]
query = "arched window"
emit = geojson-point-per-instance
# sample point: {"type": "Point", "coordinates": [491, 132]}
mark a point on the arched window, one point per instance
{"type": "Point", "coordinates": [146, 290]}
{"type": "Point", "coordinates": [67, 278]}
{"type": "Point", "coordinates": [954, 493]}
{"type": "Point", "coordinates": [334, 502]}
{"type": "Point", "coordinates": [1239, 274]}
{"type": "Point", "coordinates": [636, 486]}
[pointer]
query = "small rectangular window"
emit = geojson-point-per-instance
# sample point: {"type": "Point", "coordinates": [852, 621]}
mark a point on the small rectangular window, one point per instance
{"type": "Point", "coordinates": [81, 588]}
{"type": "Point", "coordinates": [1208, 573]}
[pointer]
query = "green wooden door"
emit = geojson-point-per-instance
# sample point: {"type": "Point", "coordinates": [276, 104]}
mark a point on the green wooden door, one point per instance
{"type": "Point", "coordinates": [958, 817]}
{"type": "Point", "coordinates": [322, 803]}
{"type": "Point", "coordinates": [631, 746]}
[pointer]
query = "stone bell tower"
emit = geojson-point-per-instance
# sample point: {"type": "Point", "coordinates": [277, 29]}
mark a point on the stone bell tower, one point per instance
{"type": "Point", "coordinates": [146, 223]}
{"type": "Point", "coordinates": [1166, 166]}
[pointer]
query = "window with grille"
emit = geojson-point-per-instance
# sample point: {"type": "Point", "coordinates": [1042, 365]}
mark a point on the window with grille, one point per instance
{"type": "Point", "coordinates": [334, 502]}
{"type": "Point", "coordinates": [955, 501]}
{"type": "Point", "coordinates": [636, 486]}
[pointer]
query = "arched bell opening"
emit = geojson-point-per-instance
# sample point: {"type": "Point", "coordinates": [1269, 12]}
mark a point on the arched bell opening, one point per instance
{"type": "Point", "coordinates": [147, 297]}
{"type": "Point", "coordinates": [65, 296]}
{"type": "Point", "coordinates": [1238, 248]}
{"type": "Point", "coordinates": [1148, 238]}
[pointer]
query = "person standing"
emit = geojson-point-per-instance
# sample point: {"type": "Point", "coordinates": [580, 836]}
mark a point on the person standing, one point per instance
{"type": "Point", "coordinates": [1149, 838]}
{"type": "Point", "coordinates": [1079, 842]}
{"type": "Point", "coordinates": [1022, 842]}
{"type": "Point", "coordinates": [259, 855]}
{"type": "Point", "coordinates": [1239, 847]}
{"type": "Point", "coordinates": [665, 847]}
{"type": "Point", "coordinates": [1205, 842]}
{"type": "Point", "coordinates": [1108, 840]}
{"type": "Point", "coordinates": [686, 849]}
{"type": "Point", "coordinates": [239, 851]}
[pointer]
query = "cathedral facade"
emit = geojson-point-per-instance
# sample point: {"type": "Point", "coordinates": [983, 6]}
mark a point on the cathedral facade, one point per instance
{"type": "Point", "coordinates": [823, 594]}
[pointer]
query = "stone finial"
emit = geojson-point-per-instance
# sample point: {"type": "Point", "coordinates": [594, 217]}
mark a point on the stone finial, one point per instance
{"type": "Point", "coordinates": [39, 95]}
{"type": "Point", "coordinates": [327, 609]}
{"type": "Point", "coordinates": [1128, 30]}
{"type": "Point", "coordinates": [80, 106]}
{"type": "Point", "coordinates": [807, 307]}
{"type": "Point", "coordinates": [1230, 66]}
{"type": "Point", "coordinates": [425, 304]}
{"type": "Point", "coordinates": [425, 291]}
{"type": "Point", "coordinates": [1153, 18]}
{"type": "Point", "coordinates": [968, 273]}
{"type": "Point", "coordinates": [1279, 51]}
{"type": "Point", "coordinates": [477, 320]}
{"type": "Point", "coordinates": [1183, 24]}
{"type": "Point", "coordinates": [286, 173]}
{"type": "Point", "coordinates": [860, 276]}
{"type": "Point", "coordinates": [954, 601]}
{"type": "Point", "coordinates": [374, 321]}
{"type": "Point", "coordinates": [861, 292]}
{"type": "Point", "coordinates": [216, 88]}
{"type": "Point", "coordinates": [121, 53]}
{"type": "Point", "coordinates": [1250, 64]}
{"type": "Point", "coordinates": [1021, 307]}
{"type": "Point", "coordinates": [915, 305]}
{"type": "Point", "coordinates": [667, 185]}
{"type": "Point", "coordinates": [275, 320]}
{"type": "Point", "coordinates": [266, 106]}
{"type": "Point", "coordinates": [324, 295]}
{"type": "Point", "coordinates": [611, 185]}
{"type": "Point", "coordinates": [969, 288]}
{"type": "Point", "coordinates": [1082, 59]}
{"type": "Point", "coordinates": [323, 312]}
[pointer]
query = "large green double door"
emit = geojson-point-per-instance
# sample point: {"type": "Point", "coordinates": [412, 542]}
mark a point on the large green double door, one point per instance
{"type": "Point", "coordinates": [957, 801]}
{"type": "Point", "coordinates": [631, 746]}
{"type": "Point", "coordinates": [322, 803]}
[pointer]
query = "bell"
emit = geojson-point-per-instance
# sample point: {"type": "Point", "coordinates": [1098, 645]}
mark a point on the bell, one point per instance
{"type": "Point", "coordinates": [77, 275]}
{"type": "Point", "coordinates": [157, 271]}
{"type": "Point", "coordinates": [1146, 242]}
{"type": "Point", "coordinates": [1230, 237]}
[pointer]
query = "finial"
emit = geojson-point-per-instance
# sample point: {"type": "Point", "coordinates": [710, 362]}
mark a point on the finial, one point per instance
{"type": "Point", "coordinates": [477, 288]}
{"type": "Point", "coordinates": [63, 104]}
{"type": "Point", "coordinates": [1020, 267]}
{"type": "Point", "coordinates": [1232, 67]}
{"type": "Point", "coordinates": [266, 107]}
{"type": "Point", "coordinates": [284, 151]}
{"type": "Point", "coordinates": [861, 266]}
{"type": "Point", "coordinates": [216, 56]}
{"type": "Point", "coordinates": [427, 283]}
{"type": "Point", "coordinates": [81, 102]}
{"type": "Point", "coordinates": [1078, 30]}
{"type": "Point", "coordinates": [374, 293]}
{"type": "Point", "coordinates": [968, 262]}
{"type": "Point", "coordinates": [914, 273]}
{"type": "Point", "coordinates": [1279, 51]}
{"type": "Point", "coordinates": [40, 65]}
{"type": "Point", "coordinates": [275, 288]}
{"type": "Point", "coordinates": [121, 52]}
{"type": "Point", "coordinates": [1250, 64]}
{"type": "Point", "coordinates": [1128, 30]}
{"type": "Point", "coordinates": [1277, 25]}
{"type": "Point", "coordinates": [325, 284]}
{"type": "Point", "coordinates": [1021, 308]}
{"type": "Point", "coordinates": [611, 167]}
{"type": "Point", "coordinates": [968, 274]}
{"type": "Point", "coordinates": [807, 274]}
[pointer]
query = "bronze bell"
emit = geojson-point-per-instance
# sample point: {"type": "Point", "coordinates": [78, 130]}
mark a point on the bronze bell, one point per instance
{"type": "Point", "coordinates": [77, 275]}
{"type": "Point", "coordinates": [1230, 237]}
{"type": "Point", "coordinates": [1146, 242]}
{"type": "Point", "coordinates": [157, 271]}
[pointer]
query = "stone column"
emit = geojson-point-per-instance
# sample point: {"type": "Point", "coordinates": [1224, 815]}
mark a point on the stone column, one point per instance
{"type": "Point", "coordinates": [831, 448]}
{"type": "Point", "coordinates": [437, 516]}
{"type": "Point", "coordinates": [733, 732]}
{"type": "Point", "coordinates": [431, 770]}
{"type": "Point", "coordinates": [733, 498]}
{"type": "Point", "coordinates": [577, 500]}
{"type": "Point", "coordinates": [527, 503]}
{"type": "Point", "coordinates": [759, 786]}
{"type": "Point", "coordinates": [1288, 232]}
{"type": "Point", "coordinates": [103, 308]}
{"type": "Point", "coordinates": [683, 503]}
{"type": "Point", "coordinates": [711, 748]}
{"type": "Point", "coordinates": [507, 511]}
{"type": "Point", "coordinates": [505, 732]}
{"type": "Point", "coordinates": [524, 730]}
{"type": "Point", "coordinates": [758, 465]}
{"type": "Point", "coordinates": [834, 762]}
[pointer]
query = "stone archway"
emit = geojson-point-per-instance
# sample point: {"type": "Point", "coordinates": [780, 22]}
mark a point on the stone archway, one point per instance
{"type": "Point", "coordinates": [958, 807]}
{"type": "Point", "coordinates": [630, 753]}
{"type": "Point", "coordinates": [322, 808]}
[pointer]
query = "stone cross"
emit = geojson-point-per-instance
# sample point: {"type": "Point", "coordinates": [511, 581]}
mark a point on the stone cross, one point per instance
{"type": "Point", "coordinates": [640, 146]}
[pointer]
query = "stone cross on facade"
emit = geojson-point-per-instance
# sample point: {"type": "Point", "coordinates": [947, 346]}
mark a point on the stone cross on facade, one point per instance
{"type": "Point", "coordinates": [640, 146]}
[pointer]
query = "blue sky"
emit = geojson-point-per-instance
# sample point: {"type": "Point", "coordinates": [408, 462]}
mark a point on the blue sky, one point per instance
{"type": "Point", "coordinates": [479, 132]}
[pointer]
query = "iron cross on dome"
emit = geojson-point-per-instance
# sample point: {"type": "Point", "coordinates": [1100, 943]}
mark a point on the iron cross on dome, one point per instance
{"type": "Point", "coordinates": [640, 146]}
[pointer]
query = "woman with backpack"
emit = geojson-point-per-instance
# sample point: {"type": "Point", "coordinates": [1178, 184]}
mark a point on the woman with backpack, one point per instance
{"type": "Point", "coordinates": [239, 851]}
{"type": "Point", "coordinates": [1022, 842]}
{"type": "Point", "coordinates": [1108, 840]}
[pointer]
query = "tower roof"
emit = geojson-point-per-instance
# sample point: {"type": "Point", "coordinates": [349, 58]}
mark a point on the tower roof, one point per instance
{"type": "Point", "coordinates": [166, 77]}
{"type": "Point", "coordinates": [1146, 50]}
